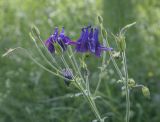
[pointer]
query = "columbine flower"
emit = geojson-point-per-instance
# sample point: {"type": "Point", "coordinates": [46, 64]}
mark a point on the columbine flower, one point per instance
{"type": "Point", "coordinates": [67, 73]}
{"type": "Point", "coordinates": [61, 39]}
{"type": "Point", "coordinates": [88, 42]}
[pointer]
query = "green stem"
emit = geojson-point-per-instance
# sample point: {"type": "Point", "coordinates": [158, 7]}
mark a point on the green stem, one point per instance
{"type": "Point", "coordinates": [86, 95]}
{"type": "Point", "coordinates": [98, 85]}
{"type": "Point", "coordinates": [90, 101]}
{"type": "Point", "coordinates": [72, 63]}
{"type": "Point", "coordinates": [126, 87]}
{"type": "Point", "coordinates": [44, 57]}
{"type": "Point", "coordinates": [114, 63]}
{"type": "Point", "coordinates": [48, 53]}
{"type": "Point", "coordinates": [100, 78]}
{"type": "Point", "coordinates": [76, 65]}
{"type": "Point", "coordinates": [39, 64]}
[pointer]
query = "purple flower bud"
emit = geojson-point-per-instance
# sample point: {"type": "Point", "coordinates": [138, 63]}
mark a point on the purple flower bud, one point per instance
{"type": "Point", "coordinates": [67, 73]}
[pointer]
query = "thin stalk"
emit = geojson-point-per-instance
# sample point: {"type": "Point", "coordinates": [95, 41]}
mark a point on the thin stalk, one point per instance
{"type": "Point", "coordinates": [44, 57]}
{"type": "Point", "coordinates": [86, 76]}
{"type": "Point", "coordinates": [98, 85]}
{"type": "Point", "coordinates": [126, 87]}
{"type": "Point", "coordinates": [64, 62]}
{"type": "Point", "coordinates": [74, 60]}
{"type": "Point", "coordinates": [104, 53]}
{"type": "Point", "coordinates": [74, 65]}
{"type": "Point", "coordinates": [48, 53]}
{"type": "Point", "coordinates": [100, 79]}
{"type": "Point", "coordinates": [91, 102]}
{"type": "Point", "coordinates": [114, 63]}
{"type": "Point", "coordinates": [39, 64]}
{"type": "Point", "coordinates": [87, 85]}
{"type": "Point", "coordinates": [86, 95]}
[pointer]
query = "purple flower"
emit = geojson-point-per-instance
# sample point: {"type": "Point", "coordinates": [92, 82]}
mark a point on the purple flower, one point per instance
{"type": "Point", "coordinates": [61, 39]}
{"type": "Point", "coordinates": [88, 42]}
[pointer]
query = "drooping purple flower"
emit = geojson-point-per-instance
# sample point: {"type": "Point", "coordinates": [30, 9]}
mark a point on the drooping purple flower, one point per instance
{"type": "Point", "coordinates": [61, 39]}
{"type": "Point", "coordinates": [89, 42]}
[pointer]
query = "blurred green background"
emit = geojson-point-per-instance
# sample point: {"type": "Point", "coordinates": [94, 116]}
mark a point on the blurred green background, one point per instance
{"type": "Point", "coordinates": [29, 94]}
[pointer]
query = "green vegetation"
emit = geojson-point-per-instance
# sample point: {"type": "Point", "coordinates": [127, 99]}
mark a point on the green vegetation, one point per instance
{"type": "Point", "coordinates": [29, 94]}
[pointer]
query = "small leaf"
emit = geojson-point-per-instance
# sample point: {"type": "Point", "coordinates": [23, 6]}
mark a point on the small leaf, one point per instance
{"type": "Point", "coordinates": [8, 52]}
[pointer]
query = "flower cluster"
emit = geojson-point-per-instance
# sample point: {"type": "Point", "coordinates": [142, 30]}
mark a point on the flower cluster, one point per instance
{"type": "Point", "coordinates": [87, 42]}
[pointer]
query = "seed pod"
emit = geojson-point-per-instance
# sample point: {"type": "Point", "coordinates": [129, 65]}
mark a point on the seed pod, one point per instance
{"type": "Point", "coordinates": [131, 83]}
{"type": "Point", "coordinates": [146, 91]}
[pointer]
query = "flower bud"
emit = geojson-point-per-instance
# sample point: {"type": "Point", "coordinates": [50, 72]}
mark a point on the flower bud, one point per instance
{"type": "Point", "coordinates": [67, 73]}
{"type": "Point", "coordinates": [146, 91]}
{"type": "Point", "coordinates": [35, 31]}
{"type": "Point", "coordinates": [100, 19]}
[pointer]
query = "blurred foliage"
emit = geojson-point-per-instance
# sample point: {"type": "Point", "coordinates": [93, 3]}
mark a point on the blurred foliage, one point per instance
{"type": "Point", "coordinates": [143, 52]}
{"type": "Point", "coordinates": [29, 94]}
